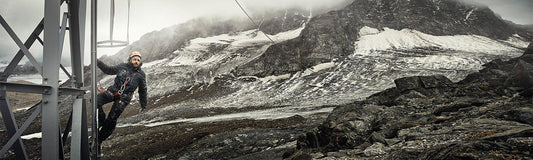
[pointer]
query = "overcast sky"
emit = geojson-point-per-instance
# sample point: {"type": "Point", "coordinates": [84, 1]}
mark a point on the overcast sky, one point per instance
{"type": "Point", "coordinates": [151, 15]}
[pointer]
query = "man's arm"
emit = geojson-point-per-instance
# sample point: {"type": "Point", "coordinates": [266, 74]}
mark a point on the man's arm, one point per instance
{"type": "Point", "coordinates": [142, 91]}
{"type": "Point", "coordinates": [111, 70]}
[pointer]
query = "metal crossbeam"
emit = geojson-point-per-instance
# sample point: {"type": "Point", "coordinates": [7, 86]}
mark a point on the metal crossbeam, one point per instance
{"type": "Point", "coordinates": [65, 71]}
{"type": "Point", "coordinates": [39, 89]}
{"type": "Point", "coordinates": [19, 132]}
{"type": "Point", "coordinates": [21, 45]}
{"type": "Point", "coordinates": [11, 126]}
{"type": "Point", "coordinates": [63, 29]}
{"type": "Point", "coordinates": [71, 91]}
{"type": "Point", "coordinates": [29, 42]}
{"type": "Point", "coordinates": [26, 88]}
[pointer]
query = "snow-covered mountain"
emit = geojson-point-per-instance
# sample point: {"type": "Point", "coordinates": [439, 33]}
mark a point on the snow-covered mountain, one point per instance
{"type": "Point", "coordinates": [303, 63]}
{"type": "Point", "coordinates": [330, 59]}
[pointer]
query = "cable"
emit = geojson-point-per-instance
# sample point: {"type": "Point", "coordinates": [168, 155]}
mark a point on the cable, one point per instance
{"type": "Point", "coordinates": [111, 20]}
{"type": "Point", "coordinates": [253, 21]}
{"type": "Point", "coordinates": [128, 29]}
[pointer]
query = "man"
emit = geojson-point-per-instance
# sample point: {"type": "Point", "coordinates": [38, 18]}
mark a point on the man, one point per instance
{"type": "Point", "coordinates": [129, 77]}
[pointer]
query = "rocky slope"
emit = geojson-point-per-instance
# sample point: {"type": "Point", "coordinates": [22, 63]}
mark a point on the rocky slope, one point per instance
{"type": "Point", "coordinates": [488, 115]}
{"type": "Point", "coordinates": [159, 44]}
{"type": "Point", "coordinates": [332, 35]}
{"type": "Point", "coordinates": [217, 86]}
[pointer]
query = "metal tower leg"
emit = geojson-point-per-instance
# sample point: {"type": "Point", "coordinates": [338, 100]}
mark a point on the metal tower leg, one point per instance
{"type": "Point", "coordinates": [51, 59]}
{"type": "Point", "coordinates": [79, 143]}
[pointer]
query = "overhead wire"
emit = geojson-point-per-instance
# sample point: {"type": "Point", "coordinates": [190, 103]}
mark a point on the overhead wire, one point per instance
{"type": "Point", "coordinates": [240, 6]}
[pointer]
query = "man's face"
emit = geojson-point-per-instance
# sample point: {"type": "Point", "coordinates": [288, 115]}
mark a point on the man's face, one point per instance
{"type": "Point", "coordinates": [136, 62]}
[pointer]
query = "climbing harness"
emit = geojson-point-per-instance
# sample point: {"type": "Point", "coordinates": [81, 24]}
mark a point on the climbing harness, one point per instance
{"type": "Point", "coordinates": [121, 89]}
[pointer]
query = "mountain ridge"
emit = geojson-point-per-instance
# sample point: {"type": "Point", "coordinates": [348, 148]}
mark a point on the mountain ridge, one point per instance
{"type": "Point", "coordinates": [343, 26]}
{"type": "Point", "coordinates": [209, 100]}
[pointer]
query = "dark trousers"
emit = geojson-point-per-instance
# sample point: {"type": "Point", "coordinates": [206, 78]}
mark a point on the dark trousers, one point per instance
{"type": "Point", "coordinates": [107, 124]}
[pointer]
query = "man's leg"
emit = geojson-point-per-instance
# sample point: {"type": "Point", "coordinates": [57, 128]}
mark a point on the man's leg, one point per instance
{"type": "Point", "coordinates": [103, 99]}
{"type": "Point", "coordinates": [111, 121]}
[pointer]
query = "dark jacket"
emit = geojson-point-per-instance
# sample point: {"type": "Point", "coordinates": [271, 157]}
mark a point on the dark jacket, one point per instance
{"type": "Point", "coordinates": [123, 71]}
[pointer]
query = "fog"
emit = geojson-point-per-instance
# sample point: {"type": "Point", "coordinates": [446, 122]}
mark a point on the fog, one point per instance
{"type": "Point", "coordinates": [517, 11]}
{"type": "Point", "coordinates": [151, 15]}
{"type": "Point", "coordinates": [145, 16]}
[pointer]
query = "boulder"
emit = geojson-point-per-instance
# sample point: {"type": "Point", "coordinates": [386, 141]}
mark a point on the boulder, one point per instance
{"type": "Point", "coordinates": [436, 81]}
{"type": "Point", "coordinates": [408, 83]}
{"type": "Point", "coordinates": [522, 115]}
{"type": "Point", "coordinates": [423, 82]}
{"type": "Point", "coordinates": [529, 49]}
{"type": "Point", "coordinates": [521, 75]}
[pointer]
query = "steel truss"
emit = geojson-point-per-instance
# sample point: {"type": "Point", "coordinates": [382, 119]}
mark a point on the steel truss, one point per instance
{"type": "Point", "coordinates": [54, 29]}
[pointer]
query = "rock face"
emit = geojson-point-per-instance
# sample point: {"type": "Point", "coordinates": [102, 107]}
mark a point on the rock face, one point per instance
{"type": "Point", "coordinates": [332, 35]}
{"type": "Point", "coordinates": [198, 109]}
{"type": "Point", "coordinates": [159, 44]}
{"type": "Point", "coordinates": [430, 117]}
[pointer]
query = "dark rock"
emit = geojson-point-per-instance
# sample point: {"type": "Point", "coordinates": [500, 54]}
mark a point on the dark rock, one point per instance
{"type": "Point", "coordinates": [430, 117]}
{"type": "Point", "coordinates": [458, 105]}
{"type": "Point", "coordinates": [408, 83]}
{"type": "Point", "coordinates": [378, 137]}
{"type": "Point", "coordinates": [526, 58]}
{"type": "Point", "coordinates": [521, 75]}
{"type": "Point", "coordinates": [375, 149]}
{"type": "Point", "coordinates": [386, 97]}
{"type": "Point", "coordinates": [346, 126]}
{"type": "Point", "coordinates": [479, 149]}
{"type": "Point", "coordinates": [493, 64]}
{"type": "Point", "coordinates": [522, 115]}
{"type": "Point", "coordinates": [437, 81]}
{"type": "Point", "coordinates": [522, 143]}
{"type": "Point", "coordinates": [529, 49]}
{"type": "Point", "coordinates": [289, 153]}
{"type": "Point", "coordinates": [408, 97]}
{"type": "Point", "coordinates": [527, 92]}
{"type": "Point", "coordinates": [312, 140]}
{"type": "Point", "coordinates": [425, 85]}
{"type": "Point", "coordinates": [518, 132]}
{"type": "Point", "coordinates": [303, 156]}
{"type": "Point", "coordinates": [427, 82]}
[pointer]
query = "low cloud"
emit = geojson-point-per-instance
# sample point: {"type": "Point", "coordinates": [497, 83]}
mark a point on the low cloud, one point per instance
{"type": "Point", "coordinates": [149, 15]}
{"type": "Point", "coordinates": [518, 11]}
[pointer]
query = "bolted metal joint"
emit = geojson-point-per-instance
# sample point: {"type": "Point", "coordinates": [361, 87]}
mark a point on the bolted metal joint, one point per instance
{"type": "Point", "coordinates": [46, 91]}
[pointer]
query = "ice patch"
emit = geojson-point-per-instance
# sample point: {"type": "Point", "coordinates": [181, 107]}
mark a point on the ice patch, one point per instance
{"type": "Point", "coordinates": [468, 15]}
{"type": "Point", "coordinates": [32, 136]}
{"type": "Point", "coordinates": [276, 113]}
{"type": "Point", "coordinates": [368, 31]}
{"type": "Point", "coordinates": [22, 109]}
{"type": "Point", "coordinates": [409, 39]}
{"type": "Point", "coordinates": [517, 40]}
{"type": "Point", "coordinates": [273, 78]}
{"type": "Point", "coordinates": [318, 67]}
{"type": "Point", "coordinates": [199, 46]}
